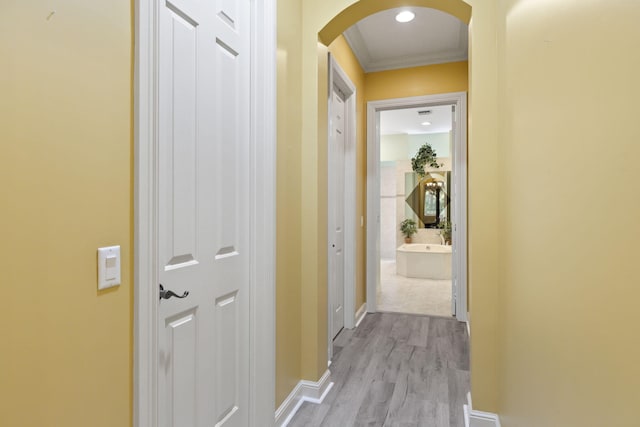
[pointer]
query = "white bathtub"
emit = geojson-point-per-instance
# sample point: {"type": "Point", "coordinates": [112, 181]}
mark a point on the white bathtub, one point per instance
{"type": "Point", "coordinates": [424, 261]}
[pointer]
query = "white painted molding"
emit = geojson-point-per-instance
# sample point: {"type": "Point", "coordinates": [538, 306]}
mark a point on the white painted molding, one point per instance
{"type": "Point", "coordinates": [356, 41]}
{"type": "Point", "coordinates": [145, 272]}
{"type": "Point", "coordinates": [358, 46]}
{"type": "Point", "coordinates": [468, 322]}
{"type": "Point", "coordinates": [263, 222]}
{"type": "Point", "coordinates": [315, 391]}
{"type": "Point", "coordinates": [289, 407]}
{"type": "Point", "coordinates": [304, 391]}
{"type": "Point", "coordinates": [482, 419]}
{"type": "Point", "coordinates": [373, 207]}
{"type": "Point", "coordinates": [474, 418]}
{"type": "Point", "coordinates": [460, 211]}
{"type": "Point", "coordinates": [362, 311]}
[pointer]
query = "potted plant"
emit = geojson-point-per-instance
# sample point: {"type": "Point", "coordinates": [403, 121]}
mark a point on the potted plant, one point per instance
{"type": "Point", "coordinates": [408, 228]}
{"type": "Point", "coordinates": [426, 155]}
{"type": "Point", "coordinates": [445, 231]}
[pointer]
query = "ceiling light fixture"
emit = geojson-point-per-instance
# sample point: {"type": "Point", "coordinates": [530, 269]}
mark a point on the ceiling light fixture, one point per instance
{"type": "Point", "coordinates": [405, 16]}
{"type": "Point", "coordinates": [426, 123]}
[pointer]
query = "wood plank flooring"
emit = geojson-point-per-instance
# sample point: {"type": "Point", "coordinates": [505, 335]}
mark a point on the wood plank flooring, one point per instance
{"type": "Point", "coordinates": [395, 370]}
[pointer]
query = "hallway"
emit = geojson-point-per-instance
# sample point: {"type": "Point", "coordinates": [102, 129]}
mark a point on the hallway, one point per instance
{"type": "Point", "coordinates": [395, 370]}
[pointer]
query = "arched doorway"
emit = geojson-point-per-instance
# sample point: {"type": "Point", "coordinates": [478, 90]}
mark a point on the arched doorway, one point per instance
{"type": "Point", "coordinates": [327, 34]}
{"type": "Point", "coordinates": [322, 22]}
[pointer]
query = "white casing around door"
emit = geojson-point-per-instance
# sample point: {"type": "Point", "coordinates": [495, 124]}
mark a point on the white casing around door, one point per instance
{"type": "Point", "coordinates": [203, 212]}
{"type": "Point", "coordinates": [455, 246]}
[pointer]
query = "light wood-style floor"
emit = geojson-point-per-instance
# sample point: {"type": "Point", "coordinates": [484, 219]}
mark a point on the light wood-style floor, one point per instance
{"type": "Point", "coordinates": [396, 370]}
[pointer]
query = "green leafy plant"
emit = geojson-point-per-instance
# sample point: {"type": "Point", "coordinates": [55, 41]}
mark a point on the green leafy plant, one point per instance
{"type": "Point", "coordinates": [445, 230]}
{"type": "Point", "coordinates": [426, 155]}
{"type": "Point", "coordinates": [408, 227]}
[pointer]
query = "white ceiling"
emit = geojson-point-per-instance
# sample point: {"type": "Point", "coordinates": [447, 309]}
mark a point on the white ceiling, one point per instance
{"type": "Point", "coordinates": [433, 37]}
{"type": "Point", "coordinates": [410, 122]}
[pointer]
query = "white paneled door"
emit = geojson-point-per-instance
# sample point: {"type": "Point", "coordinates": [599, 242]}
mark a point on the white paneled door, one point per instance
{"type": "Point", "coordinates": [203, 213]}
{"type": "Point", "coordinates": [336, 220]}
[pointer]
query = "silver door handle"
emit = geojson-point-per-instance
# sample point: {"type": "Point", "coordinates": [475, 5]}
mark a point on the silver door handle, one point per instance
{"type": "Point", "coordinates": [166, 294]}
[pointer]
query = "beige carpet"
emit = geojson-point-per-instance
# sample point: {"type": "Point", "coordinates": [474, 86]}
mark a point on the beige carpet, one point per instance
{"type": "Point", "coordinates": [417, 296]}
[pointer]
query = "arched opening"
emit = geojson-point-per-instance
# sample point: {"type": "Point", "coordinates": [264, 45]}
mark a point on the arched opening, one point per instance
{"type": "Point", "coordinates": [364, 8]}
{"type": "Point", "coordinates": [368, 264]}
{"type": "Point", "coordinates": [306, 280]}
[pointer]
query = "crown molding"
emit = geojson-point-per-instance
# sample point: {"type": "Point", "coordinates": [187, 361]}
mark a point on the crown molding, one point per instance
{"type": "Point", "coordinates": [354, 38]}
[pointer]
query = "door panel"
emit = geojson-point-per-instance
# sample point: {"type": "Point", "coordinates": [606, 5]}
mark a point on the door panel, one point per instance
{"type": "Point", "coordinates": [227, 353]}
{"type": "Point", "coordinates": [179, 126]}
{"type": "Point", "coordinates": [203, 213]}
{"type": "Point", "coordinates": [182, 368]}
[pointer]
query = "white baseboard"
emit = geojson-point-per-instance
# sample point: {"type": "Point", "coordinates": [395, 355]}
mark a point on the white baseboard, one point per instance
{"type": "Point", "coordinates": [362, 311]}
{"type": "Point", "coordinates": [304, 391]}
{"type": "Point", "coordinates": [468, 322]}
{"type": "Point", "coordinates": [473, 418]}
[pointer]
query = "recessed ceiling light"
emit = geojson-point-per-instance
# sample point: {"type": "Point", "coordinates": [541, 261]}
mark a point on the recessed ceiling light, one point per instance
{"type": "Point", "coordinates": [405, 16]}
{"type": "Point", "coordinates": [426, 123]}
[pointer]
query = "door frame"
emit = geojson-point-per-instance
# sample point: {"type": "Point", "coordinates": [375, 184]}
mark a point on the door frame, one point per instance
{"type": "Point", "coordinates": [338, 77]}
{"type": "Point", "coordinates": [459, 233]}
{"type": "Point", "coordinates": [262, 225]}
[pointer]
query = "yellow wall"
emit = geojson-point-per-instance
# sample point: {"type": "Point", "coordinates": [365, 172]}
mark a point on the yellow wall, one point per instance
{"type": "Point", "coordinates": [546, 342]}
{"type": "Point", "coordinates": [65, 168]}
{"type": "Point", "coordinates": [484, 205]}
{"type": "Point", "coordinates": [343, 54]}
{"type": "Point", "coordinates": [569, 341]}
{"type": "Point", "coordinates": [417, 81]}
{"type": "Point", "coordinates": [288, 263]}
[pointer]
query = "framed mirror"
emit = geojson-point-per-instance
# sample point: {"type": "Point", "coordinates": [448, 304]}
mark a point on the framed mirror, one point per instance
{"type": "Point", "coordinates": [429, 197]}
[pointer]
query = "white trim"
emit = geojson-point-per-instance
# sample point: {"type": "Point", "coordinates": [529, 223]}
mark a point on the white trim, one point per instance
{"type": "Point", "coordinates": [263, 104]}
{"type": "Point", "coordinates": [459, 215]}
{"type": "Point", "coordinates": [468, 322]}
{"type": "Point", "coordinates": [483, 419]}
{"type": "Point", "coordinates": [373, 207]}
{"type": "Point", "coordinates": [263, 223]}
{"type": "Point", "coordinates": [315, 391]}
{"type": "Point", "coordinates": [362, 311]}
{"type": "Point", "coordinates": [459, 99]}
{"type": "Point", "coordinates": [356, 41]}
{"type": "Point", "coordinates": [338, 77]}
{"type": "Point", "coordinates": [304, 391]}
{"type": "Point", "coordinates": [474, 418]}
{"type": "Point", "coordinates": [145, 270]}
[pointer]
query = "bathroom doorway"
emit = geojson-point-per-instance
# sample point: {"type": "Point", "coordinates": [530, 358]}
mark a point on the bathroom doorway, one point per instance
{"type": "Point", "coordinates": [428, 274]}
{"type": "Point", "coordinates": [415, 265]}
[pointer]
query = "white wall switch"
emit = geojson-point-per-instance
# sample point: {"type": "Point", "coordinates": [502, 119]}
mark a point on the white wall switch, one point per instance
{"type": "Point", "coordinates": [108, 267]}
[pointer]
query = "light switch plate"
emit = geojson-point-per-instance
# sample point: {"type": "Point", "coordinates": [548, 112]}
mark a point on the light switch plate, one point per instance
{"type": "Point", "coordinates": [108, 267]}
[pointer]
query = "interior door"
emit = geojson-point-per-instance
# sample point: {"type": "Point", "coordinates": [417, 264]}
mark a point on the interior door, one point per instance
{"type": "Point", "coordinates": [203, 213]}
{"type": "Point", "coordinates": [337, 214]}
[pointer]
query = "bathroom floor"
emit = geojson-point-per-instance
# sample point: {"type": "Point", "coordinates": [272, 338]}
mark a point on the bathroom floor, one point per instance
{"type": "Point", "coordinates": [401, 294]}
